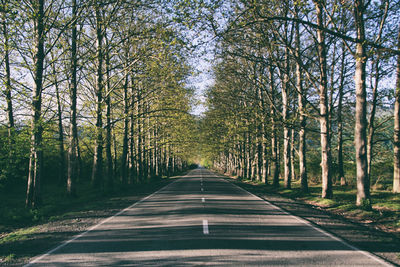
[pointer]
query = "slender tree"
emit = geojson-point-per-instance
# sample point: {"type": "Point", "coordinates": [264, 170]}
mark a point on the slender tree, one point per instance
{"type": "Point", "coordinates": [396, 138]}
{"type": "Point", "coordinates": [72, 172]}
{"type": "Point", "coordinates": [33, 195]}
{"type": "Point", "coordinates": [323, 104]}
{"type": "Point", "coordinates": [360, 137]}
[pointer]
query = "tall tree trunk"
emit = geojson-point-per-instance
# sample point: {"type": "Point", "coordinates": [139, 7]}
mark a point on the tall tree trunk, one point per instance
{"type": "Point", "coordinates": [124, 156]}
{"type": "Point", "coordinates": [360, 138]}
{"type": "Point", "coordinates": [7, 83]}
{"type": "Point", "coordinates": [139, 145]}
{"type": "Point", "coordinates": [260, 152]}
{"type": "Point", "coordinates": [8, 95]}
{"type": "Point", "coordinates": [132, 157]}
{"type": "Point", "coordinates": [110, 170]}
{"type": "Point", "coordinates": [341, 176]}
{"type": "Point", "coordinates": [274, 137]}
{"type": "Point", "coordinates": [396, 136]}
{"type": "Point", "coordinates": [301, 99]}
{"type": "Point", "coordinates": [371, 121]}
{"type": "Point", "coordinates": [248, 155]}
{"type": "Point", "coordinates": [286, 131]}
{"type": "Point", "coordinates": [155, 152]}
{"type": "Point", "coordinates": [72, 172]}
{"type": "Point", "coordinates": [97, 172]}
{"type": "Point", "coordinates": [61, 171]}
{"type": "Point", "coordinates": [292, 155]}
{"type": "Point", "coordinates": [326, 160]}
{"type": "Point", "coordinates": [33, 195]}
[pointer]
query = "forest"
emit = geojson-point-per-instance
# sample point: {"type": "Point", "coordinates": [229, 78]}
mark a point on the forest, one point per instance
{"type": "Point", "coordinates": [94, 100]}
{"type": "Point", "coordinates": [97, 98]}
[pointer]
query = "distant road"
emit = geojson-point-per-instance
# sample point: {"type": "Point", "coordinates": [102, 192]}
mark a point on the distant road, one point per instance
{"type": "Point", "coordinates": [202, 219]}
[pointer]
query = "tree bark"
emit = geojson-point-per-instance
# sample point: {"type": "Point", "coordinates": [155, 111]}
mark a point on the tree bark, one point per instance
{"type": "Point", "coordinates": [139, 139]}
{"type": "Point", "coordinates": [61, 171]}
{"type": "Point", "coordinates": [301, 99]}
{"type": "Point", "coordinates": [133, 173]}
{"type": "Point", "coordinates": [360, 138]}
{"type": "Point", "coordinates": [274, 138]}
{"type": "Point", "coordinates": [97, 172]}
{"type": "Point", "coordinates": [124, 156]}
{"type": "Point", "coordinates": [110, 170]}
{"type": "Point", "coordinates": [72, 172]}
{"type": "Point", "coordinates": [286, 134]}
{"type": "Point", "coordinates": [7, 83]}
{"type": "Point", "coordinates": [326, 160]}
{"type": "Point", "coordinates": [371, 121]}
{"type": "Point", "coordinates": [341, 176]}
{"type": "Point", "coordinates": [33, 195]}
{"type": "Point", "coordinates": [396, 137]}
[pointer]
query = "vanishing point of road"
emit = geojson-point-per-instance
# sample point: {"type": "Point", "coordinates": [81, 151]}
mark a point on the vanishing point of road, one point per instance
{"type": "Point", "coordinates": [202, 219]}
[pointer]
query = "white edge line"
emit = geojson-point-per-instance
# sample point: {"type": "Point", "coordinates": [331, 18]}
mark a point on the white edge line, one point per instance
{"type": "Point", "coordinates": [48, 253]}
{"type": "Point", "coordinates": [366, 253]}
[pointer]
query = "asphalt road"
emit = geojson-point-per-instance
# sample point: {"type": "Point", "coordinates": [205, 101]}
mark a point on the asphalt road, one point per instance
{"type": "Point", "coordinates": [202, 219]}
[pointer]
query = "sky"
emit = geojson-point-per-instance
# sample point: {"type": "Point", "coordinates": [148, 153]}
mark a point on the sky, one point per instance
{"type": "Point", "coordinates": [201, 82]}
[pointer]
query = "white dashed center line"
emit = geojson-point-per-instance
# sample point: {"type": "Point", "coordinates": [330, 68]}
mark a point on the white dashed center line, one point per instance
{"type": "Point", "coordinates": [205, 227]}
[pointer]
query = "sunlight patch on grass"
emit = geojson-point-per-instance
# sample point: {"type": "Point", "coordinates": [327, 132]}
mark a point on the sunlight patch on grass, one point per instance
{"type": "Point", "coordinates": [18, 235]}
{"type": "Point", "coordinates": [326, 202]}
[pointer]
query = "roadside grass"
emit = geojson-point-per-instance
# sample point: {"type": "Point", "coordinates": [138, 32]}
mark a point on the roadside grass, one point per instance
{"type": "Point", "coordinates": [384, 215]}
{"type": "Point", "coordinates": [18, 235]}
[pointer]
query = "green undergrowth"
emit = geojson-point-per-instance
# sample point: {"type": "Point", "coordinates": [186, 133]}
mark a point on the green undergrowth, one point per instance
{"type": "Point", "coordinates": [18, 235]}
{"type": "Point", "coordinates": [385, 212]}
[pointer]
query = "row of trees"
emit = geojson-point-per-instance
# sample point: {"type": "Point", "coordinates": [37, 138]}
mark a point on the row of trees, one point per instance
{"type": "Point", "coordinates": [103, 81]}
{"type": "Point", "coordinates": [293, 78]}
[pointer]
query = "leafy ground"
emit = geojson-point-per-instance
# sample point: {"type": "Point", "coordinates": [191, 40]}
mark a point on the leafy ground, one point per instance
{"type": "Point", "coordinates": [376, 230]}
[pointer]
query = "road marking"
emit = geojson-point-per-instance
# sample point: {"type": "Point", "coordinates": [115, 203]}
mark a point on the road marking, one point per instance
{"type": "Point", "coordinates": [95, 226]}
{"type": "Point", "coordinates": [205, 227]}
{"type": "Point", "coordinates": [202, 189]}
{"type": "Point", "coordinates": [366, 253]}
{"type": "Point", "coordinates": [203, 199]}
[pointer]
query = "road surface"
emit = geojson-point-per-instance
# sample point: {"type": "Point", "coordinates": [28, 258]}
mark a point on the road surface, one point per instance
{"type": "Point", "coordinates": [202, 219]}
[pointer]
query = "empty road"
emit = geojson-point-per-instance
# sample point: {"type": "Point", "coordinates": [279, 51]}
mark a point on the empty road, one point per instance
{"type": "Point", "coordinates": [202, 219]}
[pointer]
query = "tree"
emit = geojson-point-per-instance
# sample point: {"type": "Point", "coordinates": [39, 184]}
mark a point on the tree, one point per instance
{"type": "Point", "coordinates": [72, 168]}
{"type": "Point", "coordinates": [33, 195]}
{"type": "Point", "coordinates": [396, 141]}
{"type": "Point", "coordinates": [360, 138]}
{"type": "Point", "coordinates": [323, 104]}
{"type": "Point", "coordinates": [97, 171]}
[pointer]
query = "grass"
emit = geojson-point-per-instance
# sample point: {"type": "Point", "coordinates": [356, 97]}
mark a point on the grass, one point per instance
{"type": "Point", "coordinates": [18, 235]}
